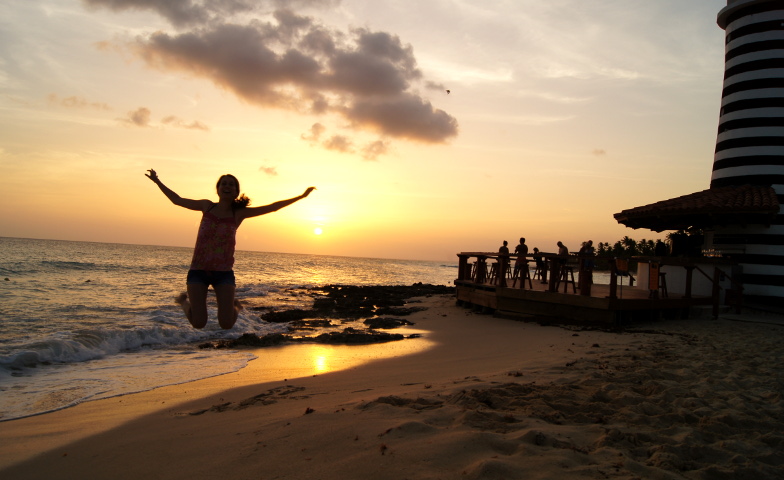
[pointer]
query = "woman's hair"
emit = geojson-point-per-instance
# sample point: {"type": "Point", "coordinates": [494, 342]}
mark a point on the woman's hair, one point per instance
{"type": "Point", "coordinates": [242, 200]}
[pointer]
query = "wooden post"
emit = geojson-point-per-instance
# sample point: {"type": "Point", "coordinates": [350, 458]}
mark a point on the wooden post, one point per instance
{"type": "Point", "coordinates": [555, 273]}
{"type": "Point", "coordinates": [481, 269]}
{"type": "Point", "coordinates": [613, 280]}
{"type": "Point", "coordinates": [716, 293]}
{"type": "Point", "coordinates": [689, 276]}
{"type": "Point", "coordinates": [503, 266]}
{"type": "Point", "coordinates": [463, 268]}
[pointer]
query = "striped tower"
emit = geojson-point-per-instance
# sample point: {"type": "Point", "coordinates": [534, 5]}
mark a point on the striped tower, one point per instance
{"type": "Point", "coordinates": [750, 141]}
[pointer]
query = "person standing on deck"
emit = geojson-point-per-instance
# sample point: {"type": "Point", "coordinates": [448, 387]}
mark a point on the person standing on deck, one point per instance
{"type": "Point", "coordinates": [522, 256]}
{"type": "Point", "coordinates": [213, 256]}
{"type": "Point", "coordinates": [586, 254]}
{"type": "Point", "coordinates": [563, 254]}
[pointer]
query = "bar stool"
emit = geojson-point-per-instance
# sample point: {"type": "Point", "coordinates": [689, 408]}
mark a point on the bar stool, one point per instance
{"type": "Point", "coordinates": [525, 276]}
{"type": "Point", "coordinates": [492, 277]}
{"type": "Point", "coordinates": [539, 272]}
{"type": "Point", "coordinates": [566, 276]}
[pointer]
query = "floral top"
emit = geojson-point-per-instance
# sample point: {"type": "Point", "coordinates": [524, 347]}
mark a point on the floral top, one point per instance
{"type": "Point", "coordinates": [215, 243]}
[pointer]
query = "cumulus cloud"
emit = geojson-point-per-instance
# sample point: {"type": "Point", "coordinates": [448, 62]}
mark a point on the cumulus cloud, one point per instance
{"type": "Point", "coordinates": [368, 79]}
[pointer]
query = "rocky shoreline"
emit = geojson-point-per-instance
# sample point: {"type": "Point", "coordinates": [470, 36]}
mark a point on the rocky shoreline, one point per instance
{"type": "Point", "coordinates": [379, 306]}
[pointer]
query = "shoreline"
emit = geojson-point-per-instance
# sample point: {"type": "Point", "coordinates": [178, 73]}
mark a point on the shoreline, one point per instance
{"type": "Point", "coordinates": [486, 398]}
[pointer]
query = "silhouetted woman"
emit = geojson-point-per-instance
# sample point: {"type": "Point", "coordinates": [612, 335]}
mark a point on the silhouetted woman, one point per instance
{"type": "Point", "coordinates": [213, 256]}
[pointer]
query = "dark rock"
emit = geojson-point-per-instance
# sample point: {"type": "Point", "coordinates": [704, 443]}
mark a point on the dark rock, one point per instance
{"type": "Point", "coordinates": [386, 322]}
{"type": "Point", "coordinates": [288, 315]}
{"type": "Point", "coordinates": [352, 336]}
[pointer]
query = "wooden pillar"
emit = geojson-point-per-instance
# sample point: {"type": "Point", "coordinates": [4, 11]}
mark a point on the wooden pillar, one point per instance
{"type": "Point", "coordinates": [463, 267]}
{"type": "Point", "coordinates": [555, 273]}
{"type": "Point", "coordinates": [503, 266]}
{"type": "Point", "coordinates": [481, 269]}
{"type": "Point", "coordinates": [689, 277]}
{"type": "Point", "coordinates": [716, 292]}
{"type": "Point", "coordinates": [613, 280]}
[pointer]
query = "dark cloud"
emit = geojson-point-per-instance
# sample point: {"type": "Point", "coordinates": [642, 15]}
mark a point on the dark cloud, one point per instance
{"type": "Point", "coordinates": [291, 62]}
{"type": "Point", "coordinates": [404, 116]}
{"type": "Point", "coordinates": [180, 123]}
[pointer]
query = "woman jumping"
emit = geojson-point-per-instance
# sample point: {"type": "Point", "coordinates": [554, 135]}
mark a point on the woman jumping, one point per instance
{"type": "Point", "coordinates": [213, 256]}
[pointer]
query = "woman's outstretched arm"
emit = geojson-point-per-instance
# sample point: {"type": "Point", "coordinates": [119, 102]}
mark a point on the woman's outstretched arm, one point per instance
{"type": "Point", "coordinates": [272, 207]}
{"type": "Point", "coordinates": [176, 199]}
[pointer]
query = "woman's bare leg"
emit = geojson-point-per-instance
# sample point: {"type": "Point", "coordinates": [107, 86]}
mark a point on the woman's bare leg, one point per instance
{"type": "Point", "coordinates": [194, 304]}
{"type": "Point", "coordinates": [228, 307]}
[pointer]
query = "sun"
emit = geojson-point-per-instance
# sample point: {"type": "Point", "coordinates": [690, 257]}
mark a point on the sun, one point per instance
{"type": "Point", "coordinates": [318, 231]}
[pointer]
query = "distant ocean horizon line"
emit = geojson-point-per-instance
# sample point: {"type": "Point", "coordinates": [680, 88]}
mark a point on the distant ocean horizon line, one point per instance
{"type": "Point", "coordinates": [238, 250]}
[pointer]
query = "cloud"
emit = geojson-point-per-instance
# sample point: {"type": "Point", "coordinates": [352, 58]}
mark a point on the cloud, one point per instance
{"type": "Point", "coordinates": [405, 116]}
{"type": "Point", "coordinates": [599, 152]}
{"type": "Point", "coordinates": [142, 117]}
{"type": "Point", "coordinates": [76, 102]}
{"type": "Point", "coordinates": [314, 134]}
{"type": "Point", "coordinates": [271, 171]}
{"type": "Point", "coordinates": [180, 123]}
{"type": "Point", "coordinates": [373, 150]}
{"type": "Point", "coordinates": [339, 143]}
{"type": "Point", "coordinates": [184, 13]}
{"type": "Point", "coordinates": [293, 63]}
{"type": "Point", "coordinates": [138, 118]}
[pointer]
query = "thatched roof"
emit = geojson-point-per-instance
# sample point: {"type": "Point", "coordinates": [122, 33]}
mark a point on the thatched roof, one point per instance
{"type": "Point", "coordinates": [732, 205]}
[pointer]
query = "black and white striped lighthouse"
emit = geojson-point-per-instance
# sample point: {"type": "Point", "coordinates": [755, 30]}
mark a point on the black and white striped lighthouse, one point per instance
{"type": "Point", "coordinates": [750, 140]}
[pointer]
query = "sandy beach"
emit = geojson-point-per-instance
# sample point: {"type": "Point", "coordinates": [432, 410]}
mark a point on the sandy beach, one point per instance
{"type": "Point", "coordinates": [476, 397]}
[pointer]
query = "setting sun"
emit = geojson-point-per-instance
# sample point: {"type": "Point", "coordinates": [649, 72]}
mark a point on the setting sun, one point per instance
{"type": "Point", "coordinates": [318, 231]}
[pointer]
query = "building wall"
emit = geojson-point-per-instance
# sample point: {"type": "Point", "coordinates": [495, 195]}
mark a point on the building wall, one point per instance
{"type": "Point", "coordinates": [750, 137]}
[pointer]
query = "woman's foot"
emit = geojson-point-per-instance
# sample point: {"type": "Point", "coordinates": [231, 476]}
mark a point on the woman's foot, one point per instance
{"type": "Point", "coordinates": [181, 298]}
{"type": "Point", "coordinates": [182, 301]}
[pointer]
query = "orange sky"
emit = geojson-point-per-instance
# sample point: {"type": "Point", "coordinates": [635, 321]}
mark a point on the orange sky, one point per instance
{"type": "Point", "coordinates": [558, 115]}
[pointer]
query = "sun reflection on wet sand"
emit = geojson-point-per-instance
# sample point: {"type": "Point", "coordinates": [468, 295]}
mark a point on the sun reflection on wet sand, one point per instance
{"type": "Point", "coordinates": [304, 360]}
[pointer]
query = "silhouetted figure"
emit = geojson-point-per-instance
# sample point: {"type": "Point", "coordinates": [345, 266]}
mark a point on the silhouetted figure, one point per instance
{"type": "Point", "coordinates": [213, 256]}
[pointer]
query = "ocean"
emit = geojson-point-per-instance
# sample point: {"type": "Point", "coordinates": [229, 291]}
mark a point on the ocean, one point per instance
{"type": "Point", "coordinates": [81, 321]}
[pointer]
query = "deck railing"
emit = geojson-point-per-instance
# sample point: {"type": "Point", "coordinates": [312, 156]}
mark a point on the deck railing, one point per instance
{"type": "Point", "coordinates": [477, 272]}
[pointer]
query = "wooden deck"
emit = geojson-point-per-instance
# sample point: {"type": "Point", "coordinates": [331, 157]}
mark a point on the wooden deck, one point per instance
{"type": "Point", "coordinates": [596, 304]}
{"type": "Point", "coordinates": [597, 308]}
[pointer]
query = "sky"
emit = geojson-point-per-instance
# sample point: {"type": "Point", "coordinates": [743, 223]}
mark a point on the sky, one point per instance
{"type": "Point", "coordinates": [428, 127]}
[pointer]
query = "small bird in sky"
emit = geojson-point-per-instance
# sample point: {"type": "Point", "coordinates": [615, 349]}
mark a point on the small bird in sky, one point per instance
{"type": "Point", "coordinates": [448, 92]}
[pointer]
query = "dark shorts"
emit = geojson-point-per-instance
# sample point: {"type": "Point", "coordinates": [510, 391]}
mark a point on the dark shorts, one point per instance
{"type": "Point", "coordinates": [211, 277]}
